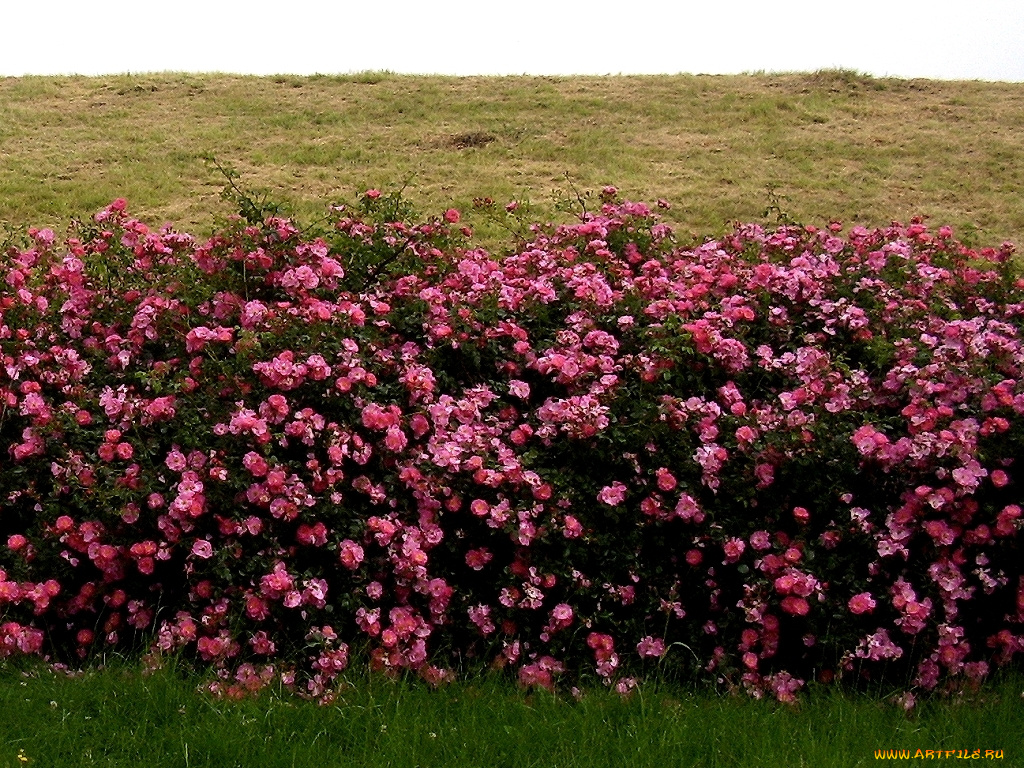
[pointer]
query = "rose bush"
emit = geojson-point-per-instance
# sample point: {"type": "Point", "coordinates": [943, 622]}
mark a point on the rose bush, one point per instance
{"type": "Point", "coordinates": [777, 455]}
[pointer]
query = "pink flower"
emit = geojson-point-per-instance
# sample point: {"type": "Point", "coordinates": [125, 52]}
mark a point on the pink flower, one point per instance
{"type": "Point", "coordinates": [868, 440]}
{"type": "Point", "coordinates": [1006, 520]}
{"type": "Point", "coordinates": [202, 549]}
{"type": "Point", "coordinates": [395, 439]}
{"type": "Point", "coordinates": [745, 435]}
{"type": "Point", "coordinates": [861, 603]}
{"type": "Point", "coordinates": [666, 480]}
{"type": "Point", "coordinates": [539, 673]}
{"type": "Point", "coordinates": [795, 606]}
{"type": "Point", "coordinates": [562, 613]}
{"type": "Point", "coordinates": [276, 583]}
{"type": "Point", "coordinates": [350, 554]}
{"type": "Point", "coordinates": [785, 686]}
{"type": "Point", "coordinates": [378, 418]}
{"type": "Point", "coordinates": [765, 475]}
{"type": "Point", "coordinates": [302, 276]}
{"type": "Point", "coordinates": [561, 617]}
{"type": "Point", "coordinates": [419, 425]}
{"type": "Point", "coordinates": [519, 389]}
{"type": "Point", "coordinates": [624, 686]}
{"type": "Point", "coordinates": [255, 463]}
{"type": "Point", "coordinates": [940, 532]}
{"type": "Point", "coordinates": [733, 549]}
{"type": "Point", "coordinates": [784, 584]}
{"type": "Point", "coordinates": [452, 216]}
{"type": "Point", "coordinates": [256, 608]}
{"type": "Point", "coordinates": [603, 645]}
{"type": "Point", "coordinates": [160, 409]}
{"type": "Point", "coordinates": [480, 615]}
{"type": "Point", "coordinates": [613, 494]}
{"type": "Point", "coordinates": [687, 509]}
{"type": "Point", "coordinates": [311, 535]}
{"type": "Point", "coordinates": [175, 461]}
{"type": "Point", "coordinates": [878, 646]}
{"type": "Point", "coordinates": [651, 647]}
{"type": "Point", "coordinates": [478, 558]}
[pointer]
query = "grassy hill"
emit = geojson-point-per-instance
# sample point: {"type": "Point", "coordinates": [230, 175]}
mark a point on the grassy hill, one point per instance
{"type": "Point", "coordinates": [833, 144]}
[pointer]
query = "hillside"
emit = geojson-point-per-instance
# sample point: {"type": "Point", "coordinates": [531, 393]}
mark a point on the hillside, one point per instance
{"type": "Point", "coordinates": [832, 144]}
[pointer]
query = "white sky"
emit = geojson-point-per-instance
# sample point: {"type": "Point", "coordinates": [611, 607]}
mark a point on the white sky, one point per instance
{"type": "Point", "coordinates": [980, 39]}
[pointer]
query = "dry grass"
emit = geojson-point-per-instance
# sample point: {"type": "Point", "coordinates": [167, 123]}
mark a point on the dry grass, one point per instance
{"type": "Point", "coordinates": [834, 143]}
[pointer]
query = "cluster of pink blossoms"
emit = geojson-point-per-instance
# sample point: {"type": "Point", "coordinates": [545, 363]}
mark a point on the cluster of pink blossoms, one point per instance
{"type": "Point", "coordinates": [282, 453]}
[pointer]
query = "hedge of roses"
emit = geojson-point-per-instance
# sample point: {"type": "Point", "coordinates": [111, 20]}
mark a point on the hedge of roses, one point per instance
{"type": "Point", "coordinates": [776, 456]}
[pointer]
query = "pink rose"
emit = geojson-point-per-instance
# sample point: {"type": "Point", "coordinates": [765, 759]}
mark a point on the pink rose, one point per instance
{"type": "Point", "coordinates": [666, 480]}
{"type": "Point", "coordinates": [202, 548]}
{"type": "Point", "coordinates": [651, 647]}
{"type": "Point", "coordinates": [350, 554]}
{"type": "Point", "coordinates": [795, 606]}
{"type": "Point", "coordinates": [613, 494]}
{"type": "Point", "coordinates": [519, 389]}
{"type": "Point", "coordinates": [478, 558]}
{"type": "Point", "coordinates": [862, 603]}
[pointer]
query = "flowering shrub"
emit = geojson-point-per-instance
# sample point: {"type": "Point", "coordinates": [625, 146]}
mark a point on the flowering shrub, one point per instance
{"type": "Point", "coordinates": [777, 455]}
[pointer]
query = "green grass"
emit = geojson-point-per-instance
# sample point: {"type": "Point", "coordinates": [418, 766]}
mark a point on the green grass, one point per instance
{"type": "Point", "coordinates": [120, 717]}
{"type": "Point", "coordinates": [834, 143]}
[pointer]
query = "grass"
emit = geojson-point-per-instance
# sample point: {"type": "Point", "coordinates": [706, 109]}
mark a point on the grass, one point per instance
{"type": "Point", "coordinates": [119, 717]}
{"type": "Point", "coordinates": [832, 144]}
